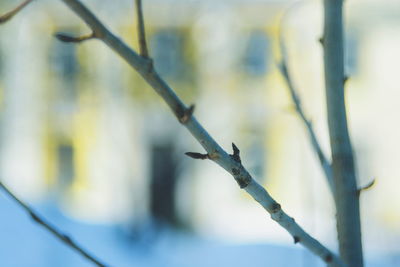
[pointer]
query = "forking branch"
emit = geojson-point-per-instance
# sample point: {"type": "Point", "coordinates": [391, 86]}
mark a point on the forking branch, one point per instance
{"type": "Point", "coordinates": [214, 152]}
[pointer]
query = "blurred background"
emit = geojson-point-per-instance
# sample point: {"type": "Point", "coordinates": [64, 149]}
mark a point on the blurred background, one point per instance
{"type": "Point", "coordinates": [91, 147]}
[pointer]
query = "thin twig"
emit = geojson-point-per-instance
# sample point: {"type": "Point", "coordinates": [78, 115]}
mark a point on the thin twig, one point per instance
{"type": "Point", "coordinates": [283, 67]}
{"type": "Point", "coordinates": [214, 150]}
{"type": "Point", "coordinates": [52, 229]}
{"type": "Point", "coordinates": [141, 31]}
{"type": "Point", "coordinates": [7, 16]}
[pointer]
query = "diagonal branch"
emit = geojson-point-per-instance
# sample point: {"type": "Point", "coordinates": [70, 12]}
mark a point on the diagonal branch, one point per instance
{"type": "Point", "coordinates": [52, 229]}
{"type": "Point", "coordinates": [141, 31]}
{"type": "Point", "coordinates": [7, 16]}
{"type": "Point", "coordinates": [214, 151]}
{"type": "Point", "coordinates": [283, 67]}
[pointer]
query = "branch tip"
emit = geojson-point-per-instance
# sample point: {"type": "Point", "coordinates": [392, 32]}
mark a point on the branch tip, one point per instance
{"type": "Point", "coordinates": [7, 16]}
{"type": "Point", "coordinates": [236, 153]}
{"type": "Point", "coordinates": [328, 258]}
{"type": "Point", "coordinates": [195, 155]}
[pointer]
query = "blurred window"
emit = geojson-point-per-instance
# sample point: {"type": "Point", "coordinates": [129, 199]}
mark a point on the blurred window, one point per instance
{"type": "Point", "coordinates": [351, 54]}
{"type": "Point", "coordinates": [256, 53]}
{"type": "Point", "coordinates": [66, 168]}
{"type": "Point", "coordinates": [65, 68]}
{"type": "Point", "coordinates": [167, 48]}
{"type": "Point", "coordinates": [63, 60]}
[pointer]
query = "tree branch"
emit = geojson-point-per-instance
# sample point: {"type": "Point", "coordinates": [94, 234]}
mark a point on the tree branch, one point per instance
{"type": "Point", "coordinates": [7, 16]}
{"type": "Point", "coordinates": [214, 151]}
{"type": "Point", "coordinates": [283, 67]}
{"type": "Point", "coordinates": [344, 174]}
{"type": "Point", "coordinates": [141, 31]}
{"type": "Point", "coordinates": [52, 229]}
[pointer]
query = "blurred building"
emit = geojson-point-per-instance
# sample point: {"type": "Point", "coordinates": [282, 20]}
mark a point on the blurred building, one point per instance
{"type": "Point", "coordinates": [79, 126]}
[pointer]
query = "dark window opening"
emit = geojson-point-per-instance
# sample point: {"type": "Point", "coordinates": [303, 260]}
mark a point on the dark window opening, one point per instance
{"type": "Point", "coordinates": [163, 184]}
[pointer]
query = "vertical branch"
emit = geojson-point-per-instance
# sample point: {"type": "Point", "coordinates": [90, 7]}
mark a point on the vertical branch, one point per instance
{"type": "Point", "coordinates": [52, 229]}
{"type": "Point", "coordinates": [141, 31]}
{"type": "Point", "coordinates": [346, 197]}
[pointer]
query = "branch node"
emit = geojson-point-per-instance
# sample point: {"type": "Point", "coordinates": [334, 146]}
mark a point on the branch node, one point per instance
{"type": "Point", "coordinates": [72, 39]}
{"type": "Point", "coordinates": [34, 217]}
{"type": "Point", "coordinates": [275, 207]}
{"type": "Point", "coordinates": [149, 66]}
{"type": "Point", "coordinates": [187, 114]}
{"type": "Point", "coordinates": [67, 238]}
{"type": "Point", "coordinates": [345, 79]}
{"type": "Point", "coordinates": [321, 40]}
{"type": "Point", "coordinates": [7, 16]}
{"type": "Point", "coordinates": [296, 239]}
{"type": "Point", "coordinates": [195, 155]}
{"type": "Point", "coordinates": [328, 258]}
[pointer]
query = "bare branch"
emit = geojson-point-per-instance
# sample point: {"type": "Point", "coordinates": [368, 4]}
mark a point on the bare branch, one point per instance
{"type": "Point", "coordinates": [283, 67]}
{"type": "Point", "coordinates": [72, 39]}
{"type": "Point", "coordinates": [141, 31]}
{"type": "Point", "coordinates": [214, 151]}
{"type": "Point", "coordinates": [7, 16]}
{"type": "Point", "coordinates": [52, 229]}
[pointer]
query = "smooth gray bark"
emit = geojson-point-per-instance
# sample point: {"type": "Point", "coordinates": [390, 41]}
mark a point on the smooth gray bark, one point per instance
{"type": "Point", "coordinates": [344, 175]}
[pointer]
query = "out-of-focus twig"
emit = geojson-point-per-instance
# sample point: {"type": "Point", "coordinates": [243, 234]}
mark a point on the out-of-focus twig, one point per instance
{"type": "Point", "coordinates": [7, 16]}
{"type": "Point", "coordinates": [52, 229]}
{"type": "Point", "coordinates": [72, 39]}
{"type": "Point", "coordinates": [283, 67]}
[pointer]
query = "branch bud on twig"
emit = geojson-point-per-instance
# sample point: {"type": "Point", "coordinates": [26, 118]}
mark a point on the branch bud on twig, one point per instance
{"type": "Point", "coordinates": [72, 39]}
{"type": "Point", "coordinates": [366, 187]}
{"type": "Point", "coordinates": [236, 153]}
{"type": "Point", "coordinates": [195, 155]}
